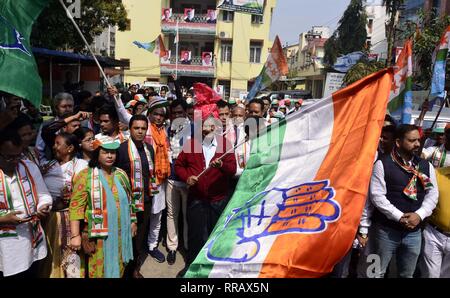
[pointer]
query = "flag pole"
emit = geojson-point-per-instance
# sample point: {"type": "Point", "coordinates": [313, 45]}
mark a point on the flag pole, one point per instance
{"type": "Point", "coordinates": [222, 156]}
{"type": "Point", "coordinates": [85, 42]}
{"type": "Point", "coordinates": [176, 51]}
{"type": "Point", "coordinates": [444, 100]}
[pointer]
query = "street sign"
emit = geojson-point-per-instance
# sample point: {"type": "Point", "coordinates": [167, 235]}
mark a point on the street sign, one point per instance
{"type": "Point", "coordinates": [333, 82]}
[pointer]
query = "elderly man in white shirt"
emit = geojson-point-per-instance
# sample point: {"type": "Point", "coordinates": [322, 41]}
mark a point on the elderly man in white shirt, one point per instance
{"type": "Point", "coordinates": [24, 200]}
{"type": "Point", "coordinates": [404, 192]}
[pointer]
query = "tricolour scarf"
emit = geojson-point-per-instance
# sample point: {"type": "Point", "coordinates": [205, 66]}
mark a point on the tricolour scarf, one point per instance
{"type": "Point", "coordinates": [30, 199]}
{"type": "Point", "coordinates": [161, 146]}
{"type": "Point", "coordinates": [69, 175]}
{"type": "Point", "coordinates": [242, 156]}
{"type": "Point", "coordinates": [32, 154]}
{"type": "Point", "coordinates": [439, 156]}
{"type": "Point", "coordinates": [411, 189]}
{"type": "Point", "coordinates": [137, 179]}
{"type": "Point", "coordinates": [98, 222]}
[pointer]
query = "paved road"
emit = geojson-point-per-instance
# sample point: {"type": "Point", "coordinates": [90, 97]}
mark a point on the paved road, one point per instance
{"type": "Point", "coordinates": [153, 269]}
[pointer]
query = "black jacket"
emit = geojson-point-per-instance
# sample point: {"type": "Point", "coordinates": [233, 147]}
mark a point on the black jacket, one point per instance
{"type": "Point", "coordinates": [123, 162]}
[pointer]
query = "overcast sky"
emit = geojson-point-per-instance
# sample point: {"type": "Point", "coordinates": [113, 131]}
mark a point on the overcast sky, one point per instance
{"type": "Point", "coordinates": [292, 17]}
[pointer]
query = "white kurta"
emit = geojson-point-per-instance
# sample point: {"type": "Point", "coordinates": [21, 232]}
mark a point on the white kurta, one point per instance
{"type": "Point", "coordinates": [57, 176]}
{"type": "Point", "coordinates": [159, 200]}
{"type": "Point", "coordinates": [16, 253]}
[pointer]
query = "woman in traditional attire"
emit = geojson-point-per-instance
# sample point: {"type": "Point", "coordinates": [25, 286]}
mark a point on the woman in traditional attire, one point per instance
{"type": "Point", "coordinates": [101, 204]}
{"type": "Point", "coordinates": [59, 178]}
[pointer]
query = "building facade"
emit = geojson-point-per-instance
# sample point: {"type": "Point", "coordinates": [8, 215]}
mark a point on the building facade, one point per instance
{"type": "Point", "coordinates": [215, 46]}
{"type": "Point", "coordinates": [307, 69]}
{"type": "Point", "coordinates": [291, 52]}
{"type": "Point", "coordinates": [105, 43]}
{"type": "Point", "coordinates": [376, 29]}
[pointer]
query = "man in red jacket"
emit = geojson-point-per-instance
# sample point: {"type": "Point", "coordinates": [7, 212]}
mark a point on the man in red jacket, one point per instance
{"type": "Point", "coordinates": [208, 194]}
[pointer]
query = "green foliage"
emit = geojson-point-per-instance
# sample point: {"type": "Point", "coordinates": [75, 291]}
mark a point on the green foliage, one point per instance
{"type": "Point", "coordinates": [54, 30]}
{"type": "Point", "coordinates": [351, 34]}
{"type": "Point", "coordinates": [362, 69]}
{"type": "Point", "coordinates": [332, 50]}
{"type": "Point", "coordinates": [431, 28]}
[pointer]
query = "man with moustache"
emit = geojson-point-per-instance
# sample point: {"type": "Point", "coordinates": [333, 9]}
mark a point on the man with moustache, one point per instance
{"type": "Point", "coordinates": [404, 191]}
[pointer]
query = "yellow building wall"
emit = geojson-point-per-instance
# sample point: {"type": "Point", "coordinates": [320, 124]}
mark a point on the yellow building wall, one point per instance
{"type": "Point", "coordinates": [241, 32]}
{"type": "Point", "coordinates": [145, 19]}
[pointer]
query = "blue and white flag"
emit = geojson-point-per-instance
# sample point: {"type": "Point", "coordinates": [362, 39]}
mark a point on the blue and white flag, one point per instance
{"type": "Point", "coordinates": [344, 63]}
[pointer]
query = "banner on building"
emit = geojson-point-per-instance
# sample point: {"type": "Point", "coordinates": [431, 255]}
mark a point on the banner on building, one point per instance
{"type": "Point", "coordinates": [344, 63]}
{"type": "Point", "coordinates": [220, 90]}
{"type": "Point", "coordinates": [247, 6]}
{"type": "Point", "coordinates": [166, 58]}
{"type": "Point", "coordinates": [207, 59]}
{"type": "Point", "coordinates": [189, 14]}
{"type": "Point", "coordinates": [166, 15]}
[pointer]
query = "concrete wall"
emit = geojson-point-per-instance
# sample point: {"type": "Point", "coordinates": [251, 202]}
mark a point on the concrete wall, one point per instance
{"type": "Point", "coordinates": [145, 27]}
{"type": "Point", "coordinates": [377, 13]}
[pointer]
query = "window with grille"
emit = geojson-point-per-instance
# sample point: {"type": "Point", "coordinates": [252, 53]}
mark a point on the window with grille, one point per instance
{"type": "Point", "coordinates": [227, 48]}
{"type": "Point", "coordinates": [227, 16]}
{"type": "Point", "coordinates": [370, 26]}
{"type": "Point", "coordinates": [257, 19]}
{"type": "Point", "coordinates": [255, 51]}
{"type": "Point", "coordinates": [226, 88]}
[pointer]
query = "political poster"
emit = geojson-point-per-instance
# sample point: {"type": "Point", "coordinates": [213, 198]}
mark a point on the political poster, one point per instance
{"type": "Point", "coordinates": [246, 6]}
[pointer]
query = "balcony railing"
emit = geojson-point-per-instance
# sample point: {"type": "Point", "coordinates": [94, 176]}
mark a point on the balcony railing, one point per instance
{"type": "Point", "coordinates": [194, 68]}
{"type": "Point", "coordinates": [198, 18]}
{"type": "Point", "coordinates": [199, 25]}
{"type": "Point", "coordinates": [193, 61]}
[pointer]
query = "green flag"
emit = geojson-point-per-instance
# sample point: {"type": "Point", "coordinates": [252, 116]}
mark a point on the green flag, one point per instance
{"type": "Point", "coordinates": [18, 70]}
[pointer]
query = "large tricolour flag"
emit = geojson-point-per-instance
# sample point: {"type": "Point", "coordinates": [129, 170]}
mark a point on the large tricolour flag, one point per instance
{"type": "Point", "coordinates": [275, 67]}
{"type": "Point", "coordinates": [400, 98]}
{"type": "Point", "coordinates": [438, 79]}
{"type": "Point", "coordinates": [156, 47]}
{"type": "Point", "coordinates": [297, 206]}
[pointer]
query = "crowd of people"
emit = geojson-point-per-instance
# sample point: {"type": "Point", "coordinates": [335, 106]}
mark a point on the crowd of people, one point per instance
{"type": "Point", "coordinates": [93, 191]}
